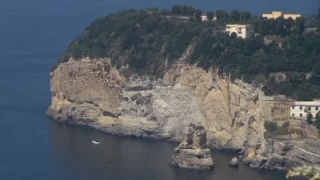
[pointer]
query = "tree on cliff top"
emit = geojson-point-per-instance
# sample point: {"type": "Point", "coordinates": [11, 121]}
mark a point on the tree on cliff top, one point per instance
{"type": "Point", "coordinates": [245, 15]}
{"type": "Point", "coordinates": [210, 15]}
{"type": "Point", "coordinates": [221, 14]}
{"type": "Point", "coordinates": [197, 14]}
{"type": "Point", "coordinates": [183, 10]}
{"type": "Point", "coordinates": [149, 42]}
{"type": "Point", "coordinates": [235, 15]}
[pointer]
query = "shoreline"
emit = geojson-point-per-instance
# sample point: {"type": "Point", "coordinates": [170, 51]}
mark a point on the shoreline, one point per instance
{"type": "Point", "coordinates": [225, 152]}
{"type": "Point", "coordinates": [94, 94]}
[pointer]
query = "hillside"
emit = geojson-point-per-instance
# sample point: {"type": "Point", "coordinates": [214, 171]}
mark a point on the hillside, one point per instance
{"type": "Point", "coordinates": [151, 73]}
{"type": "Point", "coordinates": [150, 42]}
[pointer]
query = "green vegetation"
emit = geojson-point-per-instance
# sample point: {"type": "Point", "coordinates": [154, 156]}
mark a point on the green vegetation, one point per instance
{"type": "Point", "coordinates": [309, 115]}
{"type": "Point", "coordinates": [210, 15]}
{"type": "Point", "coordinates": [309, 118]}
{"type": "Point", "coordinates": [317, 122]}
{"type": "Point", "coordinates": [274, 130]}
{"type": "Point", "coordinates": [151, 40]}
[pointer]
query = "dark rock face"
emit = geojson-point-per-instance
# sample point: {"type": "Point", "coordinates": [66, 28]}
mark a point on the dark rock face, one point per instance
{"type": "Point", "coordinates": [193, 153]}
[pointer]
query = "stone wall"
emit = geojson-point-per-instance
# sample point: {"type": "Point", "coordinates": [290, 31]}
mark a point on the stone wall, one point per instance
{"type": "Point", "coordinates": [276, 110]}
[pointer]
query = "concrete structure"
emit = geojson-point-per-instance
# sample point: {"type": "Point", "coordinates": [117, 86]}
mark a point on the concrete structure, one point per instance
{"type": "Point", "coordinates": [293, 16]}
{"type": "Point", "coordinates": [275, 108]}
{"type": "Point", "coordinates": [205, 18]}
{"type": "Point", "coordinates": [298, 108]}
{"type": "Point", "coordinates": [277, 14]}
{"type": "Point", "coordinates": [240, 30]}
{"type": "Point", "coordinates": [187, 18]}
{"type": "Point", "coordinates": [180, 18]}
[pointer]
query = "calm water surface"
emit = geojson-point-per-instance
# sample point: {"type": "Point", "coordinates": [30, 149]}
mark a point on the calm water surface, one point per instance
{"type": "Point", "coordinates": [33, 34]}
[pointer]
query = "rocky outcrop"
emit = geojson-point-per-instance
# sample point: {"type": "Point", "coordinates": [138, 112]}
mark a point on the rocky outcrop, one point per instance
{"type": "Point", "coordinates": [234, 162]}
{"type": "Point", "coordinates": [284, 154]}
{"type": "Point", "coordinates": [94, 93]}
{"type": "Point", "coordinates": [193, 152]}
{"type": "Point", "coordinates": [249, 155]}
{"type": "Point", "coordinates": [302, 130]}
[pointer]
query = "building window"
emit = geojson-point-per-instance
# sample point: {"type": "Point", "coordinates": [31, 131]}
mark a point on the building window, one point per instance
{"type": "Point", "coordinates": [317, 108]}
{"type": "Point", "coordinates": [301, 107]}
{"type": "Point", "coordinates": [292, 114]}
{"type": "Point", "coordinates": [301, 115]}
{"type": "Point", "coordinates": [292, 107]}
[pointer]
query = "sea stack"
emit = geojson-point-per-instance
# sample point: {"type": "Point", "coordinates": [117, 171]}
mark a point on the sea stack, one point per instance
{"type": "Point", "coordinates": [193, 152]}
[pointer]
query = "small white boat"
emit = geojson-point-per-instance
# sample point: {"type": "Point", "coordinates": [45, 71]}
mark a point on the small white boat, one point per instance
{"type": "Point", "coordinates": [95, 142]}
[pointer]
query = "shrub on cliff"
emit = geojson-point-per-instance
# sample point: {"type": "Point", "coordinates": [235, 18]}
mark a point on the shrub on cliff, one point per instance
{"type": "Point", "coordinates": [273, 129]}
{"type": "Point", "coordinates": [317, 122]}
{"type": "Point", "coordinates": [309, 118]}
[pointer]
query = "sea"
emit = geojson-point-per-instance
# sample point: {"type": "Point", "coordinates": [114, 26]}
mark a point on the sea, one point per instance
{"type": "Point", "coordinates": [33, 35]}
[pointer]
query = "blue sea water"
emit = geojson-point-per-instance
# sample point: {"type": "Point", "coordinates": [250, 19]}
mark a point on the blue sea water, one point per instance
{"type": "Point", "coordinates": [33, 34]}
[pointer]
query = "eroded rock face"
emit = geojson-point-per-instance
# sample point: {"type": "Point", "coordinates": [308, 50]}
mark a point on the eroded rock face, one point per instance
{"type": "Point", "coordinates": [232, 110]}
{"type": "Point", "coordinates": [93, 93]}
{"type": "Point", "coordinates": [284, 154]}
{"type": "Point", "coordinates": [193, 152]}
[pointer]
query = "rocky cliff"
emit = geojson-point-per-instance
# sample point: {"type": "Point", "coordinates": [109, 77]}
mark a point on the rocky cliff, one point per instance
{"type": "Point", "coordinates": [300, 146]}
{"type": "Point", "coordinates": [95, 94]}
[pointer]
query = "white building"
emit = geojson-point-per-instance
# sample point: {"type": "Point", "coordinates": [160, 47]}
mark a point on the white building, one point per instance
{"type": "Point", "coordinates": [240, 30]}
{"type": "Point", "coordinates": [205, 18]}
{"type": "Point", "coordinates": [277, 14]}
{"type": "Point", "coordinates": [298, 109]}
